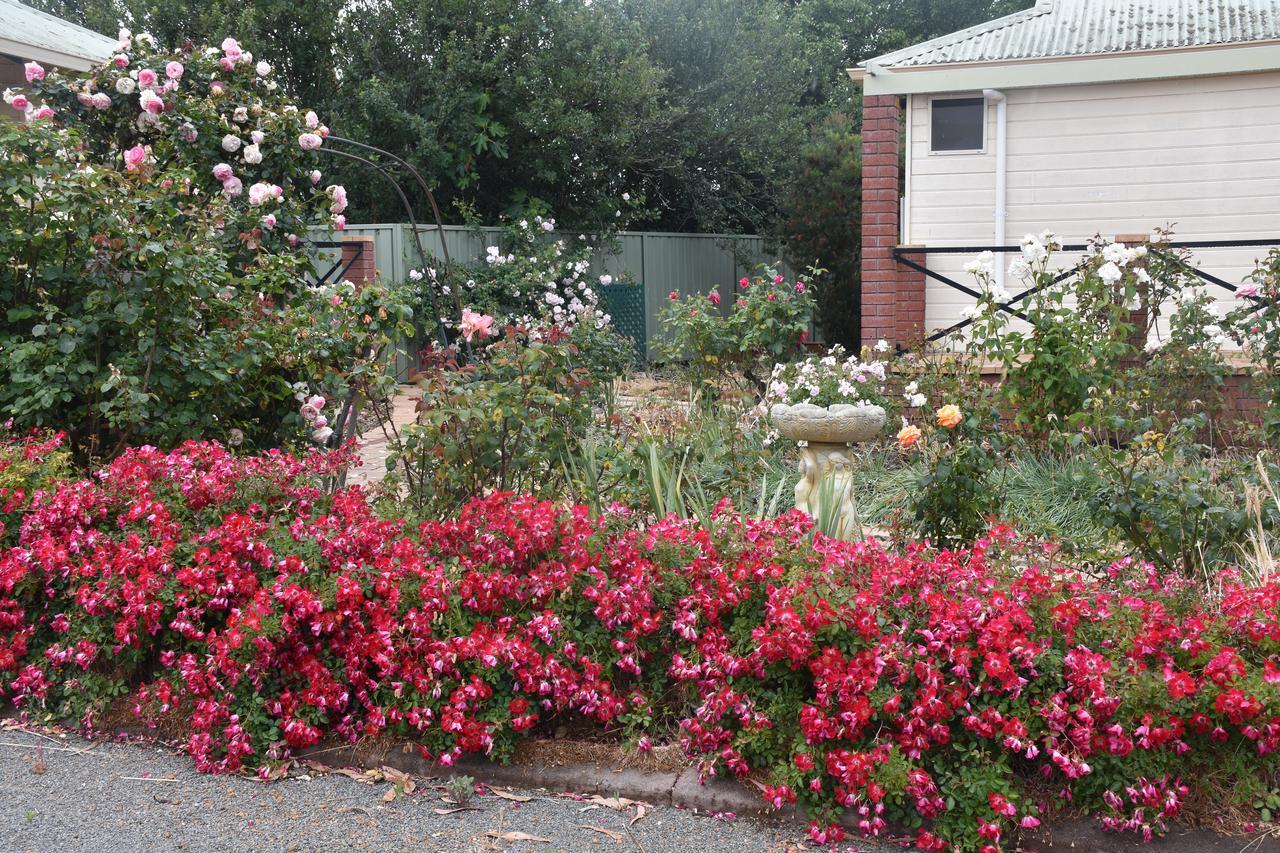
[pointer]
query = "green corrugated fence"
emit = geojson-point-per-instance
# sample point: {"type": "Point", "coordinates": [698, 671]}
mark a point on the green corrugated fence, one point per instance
{"type": "Point", "coordinates": [659, 262]}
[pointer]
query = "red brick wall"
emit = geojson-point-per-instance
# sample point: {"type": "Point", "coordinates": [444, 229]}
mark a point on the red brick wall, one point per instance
{"type": "Point", "coordinates": [892, 295]}
{"type": "Point", "coordinates": [363, 270]}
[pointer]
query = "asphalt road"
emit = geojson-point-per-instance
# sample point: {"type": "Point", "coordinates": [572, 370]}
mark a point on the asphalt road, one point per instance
{"type": "Point", "coordinates": [77, 795]}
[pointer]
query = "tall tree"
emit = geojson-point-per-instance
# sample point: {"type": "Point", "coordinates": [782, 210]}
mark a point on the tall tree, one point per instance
{"type": "Point", "coordinates": [506, 102]}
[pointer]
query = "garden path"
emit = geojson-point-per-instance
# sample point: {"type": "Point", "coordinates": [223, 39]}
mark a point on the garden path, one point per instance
{"type": "Point", "coordinates": [373, 444]}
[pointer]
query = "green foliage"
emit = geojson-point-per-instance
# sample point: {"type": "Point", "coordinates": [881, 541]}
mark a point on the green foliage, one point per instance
{"type": "Point", "coordinates": [505, 423]}
{"type": "Point", "coordinates": [1176, 509]}
{"type": "Point", "coordinates": [956, 499]}
{"type": "Point", "coordinates": [1256, 324]}
{"type": "Point", "coordinates": [701, 106]}
{"type": "Point", "coordinates": [146, 301]}
{"type": "Point", "coordinates": [822, 214]}
{"type": "Point", "coordinates": [767, 324]}
{"type": "Point", "coordinates": [686, 468]}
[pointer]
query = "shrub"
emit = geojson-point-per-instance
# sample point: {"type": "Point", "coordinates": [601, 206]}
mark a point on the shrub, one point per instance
{"type": "Point", "coordinates": [917, 690]}
{"type": "Point", "coordinates": [156, 213]}
{"type": "Point", "coordinates": [769, 323]}
{"type": "Point", "coordinates": [509, 420]}
{"type": "Point", "coordinates": [955, 498]}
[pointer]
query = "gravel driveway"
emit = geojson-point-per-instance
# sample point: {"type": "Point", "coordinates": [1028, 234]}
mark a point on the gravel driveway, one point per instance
{"type": "Point", "coordinates": [107, 797]}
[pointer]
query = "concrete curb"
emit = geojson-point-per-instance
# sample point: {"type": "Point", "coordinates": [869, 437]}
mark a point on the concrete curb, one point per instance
{"type": "Point", "coordinates": [678, 789]}
{"type": "Point", "coordinates": [682, 789]}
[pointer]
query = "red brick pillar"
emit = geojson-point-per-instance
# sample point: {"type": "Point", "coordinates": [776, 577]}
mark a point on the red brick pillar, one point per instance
{"type": "Point", "coordinates": [363, 269]}
{"type": "Point", "coordinates": [892, 294]}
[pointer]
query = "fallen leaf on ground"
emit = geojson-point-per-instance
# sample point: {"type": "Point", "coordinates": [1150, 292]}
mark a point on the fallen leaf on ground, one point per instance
{"type": "Point", "coordinates": [458, 809]}
{"type": "Point", "coordinates": [641, 811]}
{"type": "Point", "coordinates": [507, 795]}
{"type": "Point", "coordinates": [517, 836]}
{"type": "Point", "coordinates": [616, 803]}
{"type": "Point", "coordinates": [389, 795]}
{"type": "Point", "coordinates": [616, 836]}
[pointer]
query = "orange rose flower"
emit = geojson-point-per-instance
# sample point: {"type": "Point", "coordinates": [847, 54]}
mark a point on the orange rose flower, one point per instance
{"type": "Point", "coordinates": [949, 416]}
{"type": "Point", "coordinates": [908, 436]}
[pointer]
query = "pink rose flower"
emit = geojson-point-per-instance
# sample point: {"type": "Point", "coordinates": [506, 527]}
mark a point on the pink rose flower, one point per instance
{"type": "Point", "coordinates": [223, 172]}
{"type": "Point", "coordinates": [714, 296]}
{"type": "Point", "coordinates": [147, 77]}
{"type": "Point", "coordinates": [673, 296]}
{"type": "Point", "coordinates": [120, 60]}
{"type": "Point", "coordinates": [293, 239]}
{"type": "Point", "coordinates": [135, 157]}
{"type": "Point", "coordinates": [309, 142]}
{"type": "Point", "coordinates": [316, 402]}
{"type": "Point", "coordinates": [1247, 291]}
{"type": "Point", "coordinates": [101, 101]}
{"type": "Point", "coordinates": [19, 102]}
{"type": "Point", "coordinates": [174, 70]}
{"type": "Point", "coordinates": [232, 187]}
{"type": "Point", "coordinates": [799, 287]}
{"type": "Point", "coordinates": [312, 120]}
{"type": "Point", "coordinates": [45, 111]}
{"type": "Point", "coordinates": [744, 282]}
{"type": "Point", "coordinates": [231, 48]}
{"type": "Point", "coordinates": [257, 136]}
{"type": "Point", "coordinates": [474, 323]}
{"type": "Point", "coordinates": [315, 176]}
{"type": "Point", "coordinates": [227, 63]}
{"type": "Point", "coordinates": [339, 195]}
{"type": "Point", "coordinates": [34, 71]}
{"type": "Point", "coordinates": [339, 222]}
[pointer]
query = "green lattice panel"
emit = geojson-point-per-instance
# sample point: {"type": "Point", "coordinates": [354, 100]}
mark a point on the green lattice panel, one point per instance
{"type": "Point", "coordinates": [625, 305]}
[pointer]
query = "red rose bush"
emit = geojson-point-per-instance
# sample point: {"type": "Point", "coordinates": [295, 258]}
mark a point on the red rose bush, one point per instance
{"type": "Point", "coordinates": [949, 695]}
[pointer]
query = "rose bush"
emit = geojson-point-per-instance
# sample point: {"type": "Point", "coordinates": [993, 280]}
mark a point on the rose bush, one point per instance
{"type": "Point", "coordinates": [955, 696]}
{"type": "Point", "coordinates": [769, 323]}
{"type": "Point", "coordinates": [156, 220]}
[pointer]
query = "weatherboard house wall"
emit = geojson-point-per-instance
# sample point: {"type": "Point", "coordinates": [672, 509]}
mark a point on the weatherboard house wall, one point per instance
{"type": "Point", "coordinates": [1120, 118]}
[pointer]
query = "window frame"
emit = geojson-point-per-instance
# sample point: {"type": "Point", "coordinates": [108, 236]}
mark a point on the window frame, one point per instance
{"type": "Point", "coordinates": [962, 151]}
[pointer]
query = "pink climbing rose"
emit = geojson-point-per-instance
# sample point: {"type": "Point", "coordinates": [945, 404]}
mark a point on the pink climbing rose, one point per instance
{"type": "Point", "coordinates": [135, 157]}
{"type": "Point", "coordinates": [474, 323]}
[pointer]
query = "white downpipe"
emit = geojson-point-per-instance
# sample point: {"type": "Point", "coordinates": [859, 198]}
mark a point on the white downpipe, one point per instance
{"type": "Point", "coordinates": [996, 96]}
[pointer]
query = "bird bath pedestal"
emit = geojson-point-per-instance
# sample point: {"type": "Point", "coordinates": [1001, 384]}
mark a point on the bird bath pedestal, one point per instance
{"type": "Point", "coordinates": [826, 462]}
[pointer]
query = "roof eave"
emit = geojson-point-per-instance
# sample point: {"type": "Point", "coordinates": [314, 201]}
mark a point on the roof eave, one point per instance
{"type": "Point", "coordinates": [1239, 58]}
{"type": "Point", "coordinates": [47, 56]}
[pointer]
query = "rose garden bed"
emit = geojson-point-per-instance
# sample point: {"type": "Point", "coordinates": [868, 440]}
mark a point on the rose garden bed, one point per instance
{"type": "Point", "coordinates": [961, 696]}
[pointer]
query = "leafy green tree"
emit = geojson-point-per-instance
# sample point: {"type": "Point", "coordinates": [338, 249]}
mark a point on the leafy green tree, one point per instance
{"type": "Point", "coordinates": [819, 225]}
{"type": "Point", "coordinates": [506, 103]}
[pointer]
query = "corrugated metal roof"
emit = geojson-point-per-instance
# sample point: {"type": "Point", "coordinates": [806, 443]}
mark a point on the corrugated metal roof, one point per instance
{"type": "Point", "coordinates": [1056, 28]}
{"type": "Point", "coordinates": [21, 25]}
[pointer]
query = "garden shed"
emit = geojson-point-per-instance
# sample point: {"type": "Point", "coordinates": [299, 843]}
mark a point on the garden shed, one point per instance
{"type": "Point", "coordinates": [1082, 117]}
{"type": "Point", "coordinates": [28, 34]}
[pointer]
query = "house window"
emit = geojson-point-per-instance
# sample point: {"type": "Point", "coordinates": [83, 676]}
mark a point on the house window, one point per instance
{"type": "Point", "coordinates": [957, 124]}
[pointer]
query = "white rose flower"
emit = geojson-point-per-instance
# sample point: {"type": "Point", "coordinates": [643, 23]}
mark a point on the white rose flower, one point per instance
{"type": "Point", "coordinates": [252, 154]}
{"type": "Point", "coordinates": [231, 143]}
{"type": "Point", "coordinates": [126, 86]}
